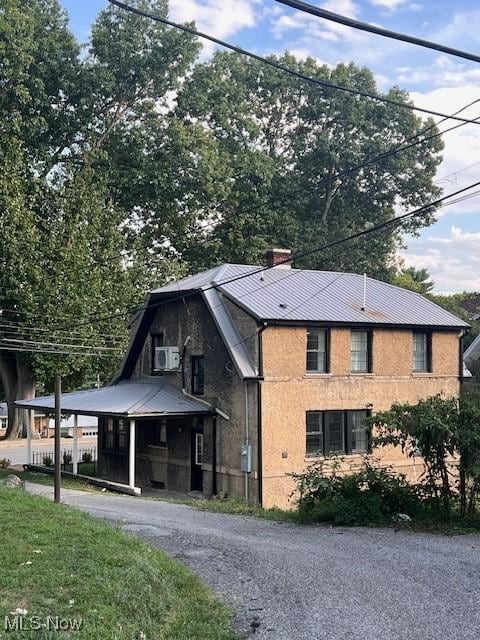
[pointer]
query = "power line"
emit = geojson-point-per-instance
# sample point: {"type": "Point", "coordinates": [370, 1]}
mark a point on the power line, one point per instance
{"type": "Point", "coordinates": [397, 149]}
{"type": "Point", "coordinates": [26, 342]}
{"type": "Point", "coordinates": [281, 67]}
{"type": "Point", "coordinates": [19, 327]}
{"type": "Point", "coordinates": [383, 225]}
{"type": "Point", "coordinates": [56, 351]}
{"type": "Point", "coordinates": [352, 170]}
{"type": "Point", "coordinates": [380, 31]}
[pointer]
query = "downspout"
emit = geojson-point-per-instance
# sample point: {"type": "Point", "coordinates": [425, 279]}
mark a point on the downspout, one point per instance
{"type": "Point", "coordinates": [460, 363]}
{"type": "Point", "coordinates": [247, 438]}
{"type": "Point", "coordinates": [184, 353]}
{"type": "Point", "coordinates": [259, 414]}
{"type": "Point", "coordinates": [214, 455]}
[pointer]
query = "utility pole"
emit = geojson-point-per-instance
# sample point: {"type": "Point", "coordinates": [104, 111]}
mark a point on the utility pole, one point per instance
{"type": "Point", "coordinates": [58, 418]}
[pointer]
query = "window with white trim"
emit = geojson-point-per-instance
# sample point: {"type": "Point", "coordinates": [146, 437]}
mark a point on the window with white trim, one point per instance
{"type": "Point", "coordinates": [360, 352]}
{"type": "Point", "coordinates": [317, 350]}
{"type": "Point", "coordinates": [421, 352]}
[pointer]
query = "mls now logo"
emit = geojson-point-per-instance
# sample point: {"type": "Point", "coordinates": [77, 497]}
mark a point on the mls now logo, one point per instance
{"type": "Point", "coordinates": [50, 623]}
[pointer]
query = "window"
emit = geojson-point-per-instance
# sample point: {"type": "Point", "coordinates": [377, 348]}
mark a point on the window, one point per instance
{"type": "Point", "coordinates": [334, 432]}
{"type": "Point", "coordinates": [157, 341]}
{"type": "Point", "coordinates": [360, 352]}
{"type": "Point", "coordinates": [330, 432]}
{"type": "Point", "coordinates": [317, 352]}
{"type": "Point", "coordinates": [199, 448]}
{"type": "Point", "coordinates": [122, 434]}
{"type": "Point", "coordinates": [357, 431]}
{"type": "Point", "coordinates": [421, 351]}
{"type": "Point", "coordinates": [109, 434]}
{"type": "Point", "coordinates": [314, 433]}
{"type": "Point", "coordinates": [198, 375]}
{"type": "Point", "coordinates": [160, 434]}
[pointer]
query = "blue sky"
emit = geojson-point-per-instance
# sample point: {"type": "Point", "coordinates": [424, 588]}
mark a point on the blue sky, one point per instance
{"type": "Point", "coordinates": [450, 249]}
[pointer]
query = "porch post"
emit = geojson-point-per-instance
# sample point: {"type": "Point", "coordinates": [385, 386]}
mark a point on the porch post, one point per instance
{"type": "Point", "coordinates": [30, 428]}
{"type": "Point", "coordinates": [131, 456]}
{"type": "Point", "coordinates": [75, 444]}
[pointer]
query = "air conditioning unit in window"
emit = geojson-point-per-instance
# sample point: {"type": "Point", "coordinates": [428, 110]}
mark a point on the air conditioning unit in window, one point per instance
{"type": "Point", "coordinates": [166, 359]}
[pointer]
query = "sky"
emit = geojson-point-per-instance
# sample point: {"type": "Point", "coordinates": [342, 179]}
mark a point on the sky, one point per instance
{"type": "Point", "coordinates": [449, 249]}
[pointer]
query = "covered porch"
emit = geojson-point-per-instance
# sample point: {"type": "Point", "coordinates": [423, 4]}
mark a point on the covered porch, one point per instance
{"type": "Point", "coordinates": [150, 434]}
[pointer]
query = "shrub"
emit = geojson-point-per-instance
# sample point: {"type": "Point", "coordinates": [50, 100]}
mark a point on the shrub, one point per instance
{"type": "Point", "coordinates": [87, 457]}
{"type": "Point", "coordinates": [367, 494]}
{"type": "Point", "coordinates": [67, 458]}
{"type": "Point", "coordinates": [5, 463]}
{"type": "Point", "coordinates": [47, 461]}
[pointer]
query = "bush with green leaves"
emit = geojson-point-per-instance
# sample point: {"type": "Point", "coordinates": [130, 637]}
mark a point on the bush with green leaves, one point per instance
{"type": "Point", "coordinates": [445, 433]}
{"type": "Point", "coordinates": [47, 461]}
{"type": "Point", "coordinates": [67, 458]}
{"type": "Point", "coordinates": [364, 494]}
{"type": "Point", "coordinates": [87, 457]}
{"type": "Point", "coordinates": [5, 463]}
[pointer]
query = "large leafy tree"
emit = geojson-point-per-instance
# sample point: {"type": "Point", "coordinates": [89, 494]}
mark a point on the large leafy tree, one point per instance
{"type": "Point", "coordinates": [278, 134]}
{"type": "Point", "coordinates": [89, 155]}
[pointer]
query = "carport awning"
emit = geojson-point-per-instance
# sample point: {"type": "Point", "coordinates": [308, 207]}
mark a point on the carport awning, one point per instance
{"type": "Point", "coordinates": [136, 398]}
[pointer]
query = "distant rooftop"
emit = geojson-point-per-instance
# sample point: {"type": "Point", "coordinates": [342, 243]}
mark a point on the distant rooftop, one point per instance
{"type": "Point", "coordinates": [302, 295]}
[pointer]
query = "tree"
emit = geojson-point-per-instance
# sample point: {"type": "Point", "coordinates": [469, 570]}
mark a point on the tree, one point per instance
{"type": "Point", "coordinates": [276, 135]}
{"type": "Point", "coordinates": [81, 175]}
{"type": "Point", "coordinates": [417, 280]}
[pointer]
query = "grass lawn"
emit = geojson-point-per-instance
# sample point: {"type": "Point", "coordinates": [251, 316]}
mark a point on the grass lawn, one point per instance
{"type": "Point", "coordinates": [57, 561]}
{"type": "Point", "coordinates": [47, 479]}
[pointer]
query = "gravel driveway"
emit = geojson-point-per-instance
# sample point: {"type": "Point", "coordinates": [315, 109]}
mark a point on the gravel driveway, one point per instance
{"type": "Point", "coordinates": [292, 582]}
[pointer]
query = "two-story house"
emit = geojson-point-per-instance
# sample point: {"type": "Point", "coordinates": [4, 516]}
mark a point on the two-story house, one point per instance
{"type": "Point", "coordinates": [239, 376]}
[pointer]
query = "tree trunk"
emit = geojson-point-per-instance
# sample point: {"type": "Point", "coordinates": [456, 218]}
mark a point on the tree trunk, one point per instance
{"type": "Point", "coordinates": [18, 381]}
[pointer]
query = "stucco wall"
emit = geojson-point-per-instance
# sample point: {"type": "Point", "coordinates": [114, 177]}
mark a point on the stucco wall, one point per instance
{"type": "Point", "coordinates": [288, 392]}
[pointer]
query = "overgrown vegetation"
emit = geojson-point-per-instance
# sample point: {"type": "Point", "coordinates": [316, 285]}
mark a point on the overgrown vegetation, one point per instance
{"type": "Point", "coordinates": [444, 432]}
{"type": "Point", "coordinates": [57, 561]}
{"type": "Point", "coordinates": [364, 495]}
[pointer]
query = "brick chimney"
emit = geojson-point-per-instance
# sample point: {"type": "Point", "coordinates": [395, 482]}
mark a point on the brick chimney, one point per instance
{"type": "Point", "coordinates": [279, 258]}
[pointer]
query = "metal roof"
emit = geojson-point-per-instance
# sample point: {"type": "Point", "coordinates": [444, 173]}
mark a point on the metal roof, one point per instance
{"type": "Point", "coordinates": [231, 337]}
{"type": "Point", "coordinates": [302, 295]}
{"type": "Point", "coordinates": [473, 352]}
{"type": "Point", "coordinates": [139, 397]}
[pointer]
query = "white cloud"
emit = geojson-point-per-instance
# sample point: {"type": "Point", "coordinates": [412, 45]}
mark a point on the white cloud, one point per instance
{"type": "Point", "coordinates": [219, 18]}
{"type": "Point", "coordinates": [462, 29]}
{"type": "Point", "coordinates": [442, 72]}
{"type": "Point", "coordinates": [313, 28]}
{"type": "Point", "coordinates": [462, 145]}
{"type": "Point", "coordinates": [453, 260]}
{"type": "Point", "coordinates": [389, 4]}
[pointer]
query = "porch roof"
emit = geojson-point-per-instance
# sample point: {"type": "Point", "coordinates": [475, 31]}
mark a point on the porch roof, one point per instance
{"type": "Point", "coordinates": [134, 398]}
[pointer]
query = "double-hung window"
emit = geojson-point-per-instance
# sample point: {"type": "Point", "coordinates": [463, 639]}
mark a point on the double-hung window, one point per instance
{"type": "Point", "coordinates": [421, 352]}
{"type": "Point", "coordinates": [360, 352]}
{"type": "Point", "coordinates": [314, 433]}
{"type": "Point", "coordinates": [329, 432]}
{"type": "Point", "coordinates": [317, 350]}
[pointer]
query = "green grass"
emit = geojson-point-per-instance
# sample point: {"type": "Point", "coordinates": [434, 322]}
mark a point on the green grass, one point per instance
{"type": "Point", "coordinates": [57, 561]}
{"type": "Point", "coordinates": [238, 506]}
{"type": "Point", "coordinates": [47, 479]}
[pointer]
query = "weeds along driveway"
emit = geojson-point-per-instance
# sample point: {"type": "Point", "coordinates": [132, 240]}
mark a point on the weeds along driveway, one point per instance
{"type": "Point", "coordinates": [293, 582]}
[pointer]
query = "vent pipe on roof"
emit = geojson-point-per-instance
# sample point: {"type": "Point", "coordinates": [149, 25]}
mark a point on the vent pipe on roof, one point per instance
{"type": "Point", "coordinates": [364, 306]}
